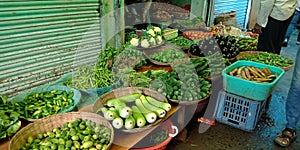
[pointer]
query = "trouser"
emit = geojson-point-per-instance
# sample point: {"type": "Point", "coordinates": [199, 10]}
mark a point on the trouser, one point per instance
{"type": "Point", "coordinates": [293, 98]}
{"type": "Point", "coordinates": [273, 35]}
{"type": "Point", "coordinates": [293, 25]}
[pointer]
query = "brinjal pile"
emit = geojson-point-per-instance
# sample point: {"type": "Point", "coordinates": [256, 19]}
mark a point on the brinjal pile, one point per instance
{"type": "Point", "coordinates": [205, 47]}
{"type": "Point", "coordinates": [227, 45]}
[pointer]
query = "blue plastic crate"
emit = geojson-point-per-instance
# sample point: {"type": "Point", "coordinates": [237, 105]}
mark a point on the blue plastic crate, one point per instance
{"type": "Point", "coordinates": [239, 112]}
{"type": "Point", "coordinates": [246, 88]}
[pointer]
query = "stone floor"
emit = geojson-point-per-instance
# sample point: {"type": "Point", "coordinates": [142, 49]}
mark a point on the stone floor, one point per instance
{"type": "Point", "coordinates": [225, 137]}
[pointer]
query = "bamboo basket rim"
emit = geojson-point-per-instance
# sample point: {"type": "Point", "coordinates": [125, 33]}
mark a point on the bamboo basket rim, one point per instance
{"type": "Point", "coordinates": [49, 123]}
{"type": "Point", "coordinates": [100, 102]}
{"type": "Point", "coordinates": [147, 55]}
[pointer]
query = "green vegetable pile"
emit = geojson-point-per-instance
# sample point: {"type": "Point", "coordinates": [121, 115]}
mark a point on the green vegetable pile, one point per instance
{"type": "Point", "coordinates": [87, 77]}
{"type": "Point", "coordinates": [181, 41]}
{"type": "Point", "coordinates": [167, 56]}
{"type": "Point", "coordinates": [212, 65]}
{"type": "Point", "coordinates": [9, 119]}
{"type": "Point", "coordinates": [80, 134]}
{"type": "Point", "coordinates": [134, 111]}
{"type": "Point", "coordinates": [270, 59]}
{"type": "Point", "coordinates": [246, 44]}
{"type": "Point", "coordinates": [108, 57]}
{"type": "Point", "coordinates": [129, 57]}
{"type": "Point", "coordinates": [40, 105]}
{"type": "Point", "coordinates": [181, 84]}
{"type": "Point", "coordinates": [131, 78]}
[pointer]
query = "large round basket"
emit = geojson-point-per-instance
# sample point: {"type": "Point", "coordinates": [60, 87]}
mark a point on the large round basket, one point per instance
{"type": "Point", "coordinates": [163, 48]}
{"type": "Point", "coordinates": [250, 53]}
{"type": "Point", "coordinates": [76, 97]}
{"type": "Point", "coordinates": [56, 121]}
{"type": "Point", "coordinates": [101, 102]}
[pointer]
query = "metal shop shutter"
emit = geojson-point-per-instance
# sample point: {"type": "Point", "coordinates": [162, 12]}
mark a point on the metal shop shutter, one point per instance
{"type": "Point", "coordinates": [42, 40]}
{"type": "Point", "coordinates": [240, 6]}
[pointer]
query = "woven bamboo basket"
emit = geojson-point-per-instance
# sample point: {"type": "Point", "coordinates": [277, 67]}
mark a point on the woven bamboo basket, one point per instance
{"type": "Point", "coordinates": [55, 121]}
{"type": "Point", "coordinates": [101, 102]}
{"type": "Point", "coordinates": [163, 48]}
{"type": "Point", "coordinates": [249, 53]}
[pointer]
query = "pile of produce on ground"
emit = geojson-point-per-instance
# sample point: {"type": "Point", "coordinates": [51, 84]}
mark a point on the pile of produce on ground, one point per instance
{"type": "Point", "coordinates": [9, 119]}
{"type": "Point", "coordinates": [246, 44]}
{"type": "Point", "coordinates": [167, 56]}
{"type": "Point", "coordinates": [87, 77]}
{"type": "Point", "coordinates": [79, 134]}
{"type": "Point", "coordinates": [181, 42]}
{"type": "Point", "coordinates": [261, 75]}
{"type": "Point", "coordinates": [228, 46]}
{"type": "Point", "coordinates": [150, 37]}
{"type": "Point", "coordinates": [108, 57]}
{"type": "Point", "coordinates": [129, 57]}
{"type": "Point", "coordinates": [269, 58]}
{"type": "Point", "coordinates": [134, 111]}
{"type": "Point", "coordinates": [212, 65]}
{"type": "Point", "coordinates": [40, 105]}
{"type": "Point", "coordinates": [128, 77]}
{"type": "Point", "coordinates": [197, 35]}
{"type": "Point", "coordinates": [181, 84]}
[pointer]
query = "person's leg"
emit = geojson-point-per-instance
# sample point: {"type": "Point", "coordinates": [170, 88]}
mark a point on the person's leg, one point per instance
{"type": "Point", "coordinates": [293, 99]}
{"type": "Point", "coordinates": [292, 25]}
{"type": "Point", "coordinates": [288, 135]}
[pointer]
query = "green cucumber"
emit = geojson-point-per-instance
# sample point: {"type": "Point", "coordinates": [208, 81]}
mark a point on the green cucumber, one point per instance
{"type": "Point", "coordinates": [159, 111]}
{"type": "Point", "coordinates": [149, 115]}
{"type": "Point", "coordinates": [123, 110]}
{"type": "Point", "coordinates": [118, 123]}
{"type": "Point", "coordinates": [128, 98]}
{"type": "Point", "coordinates": [138, 116]}
{"type": "Point", "coordinates": [129, 123]}
{"type": "Point", "coordinates": [164, 105]}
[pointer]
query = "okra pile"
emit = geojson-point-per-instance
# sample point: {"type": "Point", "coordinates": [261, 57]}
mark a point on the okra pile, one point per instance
{"type": "Point", "coordinates": [269, 59]}
{"type": "Point", "coordinates": [79, 134]}
{"type": "Point", "coordinates": [40, 105]}
{"type": "Point", "coordinates": [261, 75]}
{"type": "Point", "coordinates": [134, 111]}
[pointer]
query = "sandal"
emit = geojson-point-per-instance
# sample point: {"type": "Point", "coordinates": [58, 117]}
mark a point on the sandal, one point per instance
{"type": "Point", "coordinates": [287, 137]}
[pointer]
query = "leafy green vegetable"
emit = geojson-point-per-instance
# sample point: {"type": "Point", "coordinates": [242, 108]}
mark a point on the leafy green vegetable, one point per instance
{"type": "Point", "coordinates": [9, 119]}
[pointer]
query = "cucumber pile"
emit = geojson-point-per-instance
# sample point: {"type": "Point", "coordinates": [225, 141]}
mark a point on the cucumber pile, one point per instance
{"type": "Point", "coordinates": [167, 56]}
{"type": "Point", "coordinates": [182, 84]}
{"type": "Point", "coordinates": [79, 134]}
{"type": "Point", "coordinates": [133, 111]}
{"type": "Point", "coordinates": [209, 66]}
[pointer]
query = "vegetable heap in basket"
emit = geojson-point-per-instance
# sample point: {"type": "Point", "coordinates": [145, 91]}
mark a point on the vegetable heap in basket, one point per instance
{"type": "Point", "coordinates": [134, 110]}
{"type": "Point", "coordinates": [79, 134]}
{"type": "Point", "coordinates": [254, 74]}
{"type": "Point", "coordinates": [147, 38]}
{"type": "Point", "coordinates": [40, 105]}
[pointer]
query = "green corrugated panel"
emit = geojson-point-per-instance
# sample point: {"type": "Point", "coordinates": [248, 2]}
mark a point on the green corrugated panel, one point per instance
{"type": "Point", "coordinates": [42, 40]}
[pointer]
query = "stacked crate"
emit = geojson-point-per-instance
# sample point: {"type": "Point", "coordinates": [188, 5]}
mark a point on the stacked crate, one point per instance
{"type": "Point", "coordinates": [242, 102]}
